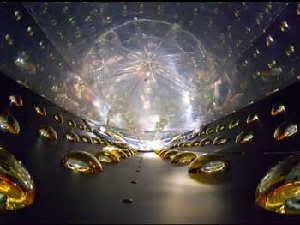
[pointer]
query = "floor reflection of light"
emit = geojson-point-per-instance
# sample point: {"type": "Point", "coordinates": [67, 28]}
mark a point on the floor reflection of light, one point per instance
{"type": "Point", "coordinates": [149, 155]}
{"type": "Point", "coordinates": [180, 181]}
{"type": "Point", "coordinates": [184, 191]}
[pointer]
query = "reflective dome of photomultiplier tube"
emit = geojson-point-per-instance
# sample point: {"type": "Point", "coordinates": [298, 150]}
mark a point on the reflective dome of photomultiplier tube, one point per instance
{"type": "Point", "coordinates": [71, 123]}
{"type": "Point", "coordinates": [72, 137]}
{"type": "Point", "coordinates": [161, 152]}
{"type": "Point", "coordinates": [285, 130]}
{"type": "Point", "coordinates": [119, 153]}
{"type": "Point", "coordinates": [233, 124]}
{"type": "Point", "coordinates": [205, 141]}
{"type": "Point", "coordinates": [157, 151]}
{"type": "Point", "coordinates": [210, 130]}
{"type": "Point", "coordinates": [48, 133]}
{"type": "Point", "coordinates": [16, 100]}
{"type": "Point", "coordinates": [115, 158]}
{"type": "Point", "coordinates": [128, 152]}
{"type": "Point", "coordinates": [81, 126]}
{"type": "Point", "coordinates": [252, 117]}
{"type": "Point", "coordinates": [220, 128]}
{"type": "Point", "coordinates": [244, 138]}
{"type": "Point", "coordinates": [16, 186]}
{"type": "Point", "coordinates": [209, 168]}
{"type": "Point", "coordinates": [278, 109]}
{"type": "Point", "coordinates": [95, 140]}
{"type": "Point", "coordinates": [40, 110]}
{"type": "Point", "coordinates": [170, 154]}
{"type": "Point", "coordinates": [279, 189]}
{"type": "Point", "coordinates": [85, 139]}
{"type": "Point", "coordinates": [8, 123]}
{"type": "Point", "coordinates": [81, 162]}
{"type": "Point", "coordinates": [213, 167]}
{"type": "Point", "coordinates": [58, 118]}
{"type": "Point", "coordinates": [104, 157]}
{"type": "Point", "coordinates": [219, 140]}
{"type": "Point", "coordinates": [183, 158]}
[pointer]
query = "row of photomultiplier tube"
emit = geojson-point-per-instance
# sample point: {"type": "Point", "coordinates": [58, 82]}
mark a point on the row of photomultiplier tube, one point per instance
{"type": "Point", "coordinates": [278, 190]}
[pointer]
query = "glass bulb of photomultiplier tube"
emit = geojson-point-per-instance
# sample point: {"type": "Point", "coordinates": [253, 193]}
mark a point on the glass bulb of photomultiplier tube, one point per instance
{"type": "Point", "coordinates": [16, 186]}
{"type": "Point", "coordinates": [85, 139]}
{"type": "Point", "coordinates": [81, 127]}
{"type": "Point", "coordinates": [252, 118]}
{"type": "Point", "coordinates": [121, 154]}
{"type": "Point", "coordinates": [285, 130]}
{"type": "Point", "coordinates": [113, 155]}
{"type": "Point", "coordinates": [128, 152]}
{"type": "Point", "coordinates": [72, 137]}
{"type": "Point", "coordinates": [95, 140]}
{"type": "Point", "coordinates": [71, 123]}
{"type": "Point", "coordinates": [205, 141]}
{"type": "Point", "coordinates": [48, 133]}
{"type": "Point", "coordinates": [88, 129]}
{"type": "Point", "coordinates": [233, 124]}
{"type": "Point", "coordinates": [161, 153]}
{"type": "Point", "coordinates": [187, 144]}
{"type": "Point", "coordinates": [107, 157]}
{"type": "Point", "coordinates": [133, 152]}
{"type": "Point", "coordinates": [220, 128]}
{"type": "Point", "coordinates": [40, 110]}
{"type": "Point", "coordinates": [244, 138]}
{"type": "Point", "coordinates": [9, 124]}
{"type": "Point", "coordinates": [277, 109]}
{"type": "Point", "coordinates": [157, 151]}
{"type": "Point", "coordinates": [81, 162]}
{"type": "Point", "coordinates": [183, 158]}
{"type": "Point", "coordinates": [169, 154]}
{"type": "Point", "coordinates": [103, 158]}
{"type": "Point", "coordinates": [16, 100]}
{"type": "Point", "coordinates": [58, 118]}
{"type": "Point", "coordinates": [220, 140]}
{"type": "Point", "coordinates": [210, 130]}
{"type": "Point", "coordinates": [209, 169]}
{"type": "Point", "coordinates": [279, 189]}
{"type": "Point", "coordinates": [196, 143]}
{"type": "Point", "coordinates": [269, 40]}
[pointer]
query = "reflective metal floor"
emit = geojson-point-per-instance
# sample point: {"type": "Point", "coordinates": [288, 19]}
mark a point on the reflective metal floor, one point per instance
{"type": "Point", "coordinates": [162, 194]}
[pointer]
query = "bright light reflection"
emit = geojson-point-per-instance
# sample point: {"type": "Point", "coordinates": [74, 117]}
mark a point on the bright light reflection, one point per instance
{"type": "Point", "coordinates": [156, 144]}
{"type": "Point", "coordinates": [145, 74]}
{"type": "Point", "coordinates": [149, 155]}
{"type": "Point", "coordinates": [109, 148]}
{"type": "Point", "coordinates": [186, 97]}
{"type": "Point", "coordinates": [145, 145]}
{"type": "Point", "coordinates": [102, 129]}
